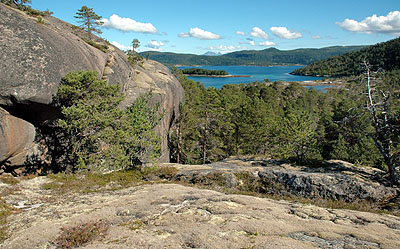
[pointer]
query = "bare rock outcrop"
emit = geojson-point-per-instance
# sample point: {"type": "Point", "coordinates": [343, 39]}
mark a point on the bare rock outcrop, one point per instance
{"type": "Point", "coordinates": [336, 180]}
{"type": "Point", "coordinates": [16, 136]}
{"type": "Point", "coordinates": [175, 216]}
{"type": "Point", "coordinates": [34, 57]}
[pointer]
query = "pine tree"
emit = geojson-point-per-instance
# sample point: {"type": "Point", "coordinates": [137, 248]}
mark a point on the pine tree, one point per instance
{"type": "Point", "coordinates": [134, 58]}
{"type": "Point", "coordinates": [89, 20]}
{"type": "Point", "coordinates": [16, 2]}
{"type": "Point", "coordinates": [96, 134]}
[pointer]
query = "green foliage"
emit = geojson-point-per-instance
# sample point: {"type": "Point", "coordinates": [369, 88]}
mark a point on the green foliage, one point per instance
{"type": "Point", "coordinates": [22, 5]}
{"type": "Point", "coordinates": [40, 20]}
{"type": "Point", "coordinates": [101, 47]}
{"type": "Point", "coordinates": [294, 136]}
{"type": "Point", "coordinates": [18, 3]}
{"type": "Point", "coordinates": [274, 120]}
{"type": "Point", "coordinates": [270, 56]}
{"type": "Point", "coordinates": [383, 56]}
{"type": "Point", "coordinates": [134, 58]}
{"type": "Point", "coordinates": [200, 71]}
{"type": "Point", "coordinates": [96, 133]}
{"type": "Point", "coordinates": [77, 236]}
{"type": "Point", "coordinates": [89, 20]}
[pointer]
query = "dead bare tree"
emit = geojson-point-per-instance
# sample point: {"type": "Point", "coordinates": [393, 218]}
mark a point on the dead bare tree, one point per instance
{"type": "Point", "coordinates": [385, 123]}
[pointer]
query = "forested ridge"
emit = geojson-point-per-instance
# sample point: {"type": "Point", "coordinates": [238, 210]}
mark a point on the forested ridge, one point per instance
{"type": "Point", "coordinates": [205, 72]}
{"type": "Point", "coordinates": [269, 56]}
{"type": "Point", "coordinates": [382, 56]}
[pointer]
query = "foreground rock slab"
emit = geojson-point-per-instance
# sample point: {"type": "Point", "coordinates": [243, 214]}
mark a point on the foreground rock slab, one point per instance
{"type": "Point", "coordinates": [176, 216]}
{"type": "Point", "coordinates": [335, 180]}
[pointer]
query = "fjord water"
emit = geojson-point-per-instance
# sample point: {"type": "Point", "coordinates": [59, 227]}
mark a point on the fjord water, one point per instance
{"type": "Point", "coordinates": [256, 73]}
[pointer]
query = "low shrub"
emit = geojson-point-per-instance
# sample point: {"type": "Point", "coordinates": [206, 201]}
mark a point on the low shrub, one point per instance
{"type": "Point", "coordinates": [82, 234]}
{"type": "Point", "coordinates": [101, 47]}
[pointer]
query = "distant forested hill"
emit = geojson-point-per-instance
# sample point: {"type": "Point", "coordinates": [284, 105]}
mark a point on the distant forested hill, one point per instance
{"type": "Point", "coordinates": [385, 55]}
{"type": "Point", "coordinates": [270, 56]}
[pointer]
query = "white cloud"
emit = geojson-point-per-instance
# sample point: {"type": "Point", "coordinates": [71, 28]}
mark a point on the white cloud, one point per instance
{"type": "Point", "coordinates": [155, 45]}
{"type": "Point", "coordinates": [316, 37]}
{"type": "Point", "coordinates": [120, 46]}
{"type": "Point", "coordinates": [225, 49]}
{"type": "Point", "coordinates": [240, 33]}
{"type": "Point", "coordinates": [252, 43]}
{"type": "Point", "coordinates": [389, 24]}
{"type": "Point", "coordinates": [266, 44]}
{"type": "Point", "coordinates": [127, 24]}
{"type": "Point", "coordinates": [284, 33]}
{"type": "Point", "coordinates": [203, 35]}
{"type": "Point", "coordinates": [259, 33]}
{"type": "Point", "coordinates": [183, 35]}
{"type": "Point", "coordinates": [199, 34]}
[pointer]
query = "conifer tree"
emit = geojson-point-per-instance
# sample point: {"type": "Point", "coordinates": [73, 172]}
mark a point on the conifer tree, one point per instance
{"type": "Point", "coordinates": [89, 20]}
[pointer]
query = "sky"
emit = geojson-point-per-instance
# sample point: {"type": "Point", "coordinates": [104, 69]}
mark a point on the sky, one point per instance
{"type": "Point", "coordinates": [222, 26]}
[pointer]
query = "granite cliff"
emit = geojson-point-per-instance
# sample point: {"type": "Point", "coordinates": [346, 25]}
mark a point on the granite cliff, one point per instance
{"type": "Point", "coordinates": [35, 56]}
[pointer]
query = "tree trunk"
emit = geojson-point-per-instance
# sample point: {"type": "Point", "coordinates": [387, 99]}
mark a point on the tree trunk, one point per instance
{"type": "Point", "coordinates": [383, 129]}
{"type": "Point", "coordinates": [205, 138]}
{"type": "Point", "coordinates": [178, 149]}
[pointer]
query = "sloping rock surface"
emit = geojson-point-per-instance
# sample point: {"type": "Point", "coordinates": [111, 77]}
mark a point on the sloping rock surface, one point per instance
{"type": "Point", "coordinates": [175, 216]}
{"type": "Point", "coordinates": [337, 180]}
{"type": "Point", "coordinates": [34, 57]}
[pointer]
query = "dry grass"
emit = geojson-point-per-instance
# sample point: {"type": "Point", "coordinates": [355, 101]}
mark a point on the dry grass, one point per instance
{"type": "Point", "coordinates": [10, 180]}
{"type": "Point", "coordinates": [5, 211]}
{"type": "Point", "coordinates": [85, 183]}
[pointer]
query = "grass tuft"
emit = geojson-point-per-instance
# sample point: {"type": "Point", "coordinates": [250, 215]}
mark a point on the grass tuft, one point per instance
{"type": "Point", "coordinates": [5, 211]}
{"type": "Point", "coordinates": [95, 182]}
{"type": "Point", "coordinates": [9, 180]}
{"type": "Point", "coordinates": [101, 47]}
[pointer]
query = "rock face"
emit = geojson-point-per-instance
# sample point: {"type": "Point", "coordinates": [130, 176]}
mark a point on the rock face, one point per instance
{"type": "Point", "coordinates": [337, 180]}
{"type": "Point", "coordinates": [175, 216]}
{"type": "Point", "coordinates": [16, 136]}
{"type": "Point", "coordinates": [34, 57]}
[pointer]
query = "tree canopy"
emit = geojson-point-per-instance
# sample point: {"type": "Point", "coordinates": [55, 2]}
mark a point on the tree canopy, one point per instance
{"type": "Point", "coordinates": [89, 20]}
{"type": "Point", "coordinates": [95, 133]}
{"type": "Point", "coordinates": [274, 120]}
{"type": "Point", "coordinates": [382, 56]}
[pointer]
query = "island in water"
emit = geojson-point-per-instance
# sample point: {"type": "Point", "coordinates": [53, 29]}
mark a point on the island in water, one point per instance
{"type": "Point", "coordinates": [200, 72]}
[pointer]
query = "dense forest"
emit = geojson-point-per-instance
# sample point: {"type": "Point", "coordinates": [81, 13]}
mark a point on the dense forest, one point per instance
{"type": "Point", "coordinates": [269, 56]}
{"type": "Point", "coordinates": [290, 122]}
{"type": "Point", "coordinates": [382, 56]}
{"type": "Point", "coordinates": [205, 72]}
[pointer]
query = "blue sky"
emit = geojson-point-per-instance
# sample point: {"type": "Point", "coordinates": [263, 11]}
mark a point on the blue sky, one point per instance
{"type": "Point", "coordinates": [187, 26]}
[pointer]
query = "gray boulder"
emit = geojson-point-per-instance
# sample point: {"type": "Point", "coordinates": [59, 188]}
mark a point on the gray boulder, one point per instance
{"type": "Point", "coordinates": [16, 136]}
{"type": "Point", "coordinates": [337, 180]}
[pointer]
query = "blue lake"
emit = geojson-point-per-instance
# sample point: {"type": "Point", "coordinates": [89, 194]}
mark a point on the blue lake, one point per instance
{"type": "Point", "coordinates": [256, 73]}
